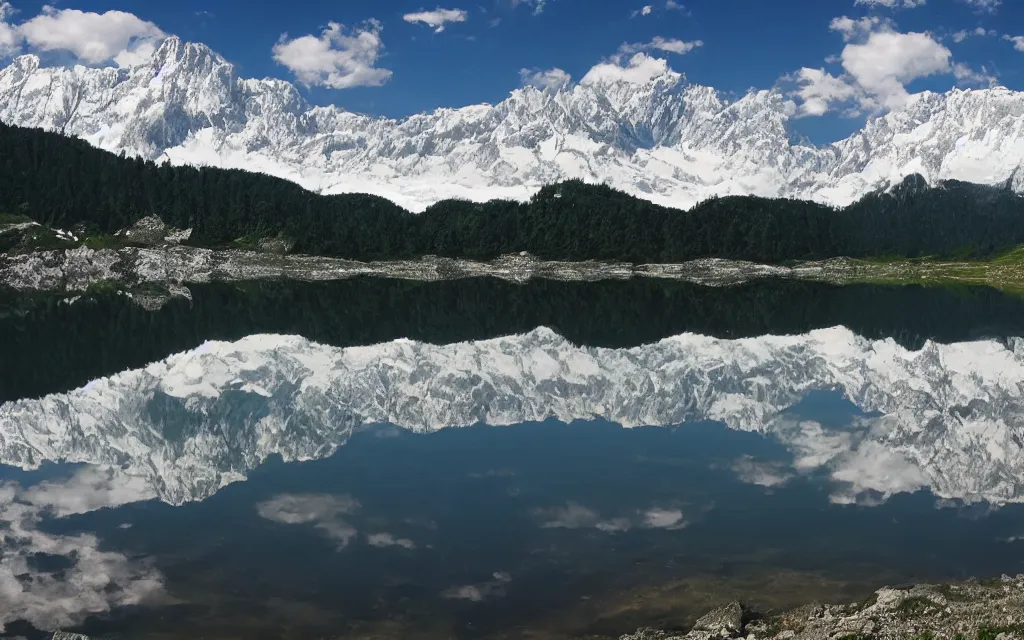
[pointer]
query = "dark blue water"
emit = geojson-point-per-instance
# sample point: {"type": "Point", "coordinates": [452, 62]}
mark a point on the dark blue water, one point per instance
{"type": "Point", "coordinates": [547, 529]}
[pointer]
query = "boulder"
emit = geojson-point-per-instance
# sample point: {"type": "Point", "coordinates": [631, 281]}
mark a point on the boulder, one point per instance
{"type": "Point", "coordinates": [726, 622]}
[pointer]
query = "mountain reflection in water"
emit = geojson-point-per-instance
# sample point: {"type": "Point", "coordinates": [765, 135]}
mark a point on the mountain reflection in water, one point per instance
{"type": "Point", "coordinates": [482, 532]}
{"type": "Point", "coordinates": [204, 418]}
{"type": "Point", "coordinates": [275, 486]}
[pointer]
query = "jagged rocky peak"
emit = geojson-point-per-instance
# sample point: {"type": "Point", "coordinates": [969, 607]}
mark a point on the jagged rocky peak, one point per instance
{"type": "Point", "coordinates": [632, 92]}
{"type": "Point", "coordinates": [27, 63]}
{"type": "Point", "coordinates": [636, 125]}
{"type": "Point", "coordinates": [193, 55]}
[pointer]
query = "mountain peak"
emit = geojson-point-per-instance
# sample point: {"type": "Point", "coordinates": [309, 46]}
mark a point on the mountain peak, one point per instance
{"type": "Point", "coordinates": [26, 63]}
{"type": "Point", "coordinates": [192, 54]}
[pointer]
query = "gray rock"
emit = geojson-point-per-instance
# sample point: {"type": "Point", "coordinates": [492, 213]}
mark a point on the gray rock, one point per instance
{"type": "Point", "coordinates": [943, 612]}
{"type": "Point", "coordinates": [645, 634]}
{"type": "Point", "coordinates": [725, 621]}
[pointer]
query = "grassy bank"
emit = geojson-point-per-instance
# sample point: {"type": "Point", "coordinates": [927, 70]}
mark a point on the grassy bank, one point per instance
{"type": "Point", "coordinates": [1004, 271]}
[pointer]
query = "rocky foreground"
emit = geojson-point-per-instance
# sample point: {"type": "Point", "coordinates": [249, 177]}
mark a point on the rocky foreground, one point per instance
{"type": "Point", "coordinates": [990, 610]}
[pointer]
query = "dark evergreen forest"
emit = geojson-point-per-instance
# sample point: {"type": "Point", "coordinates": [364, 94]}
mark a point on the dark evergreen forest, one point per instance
{"type": "Point", "coordinates": [104, 334]}
{"type": "Point", "coordinates": [65, 182]}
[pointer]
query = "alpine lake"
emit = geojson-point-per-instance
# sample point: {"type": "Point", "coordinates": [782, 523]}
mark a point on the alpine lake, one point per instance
{"type": "Point", "coordinates": [381, 458]}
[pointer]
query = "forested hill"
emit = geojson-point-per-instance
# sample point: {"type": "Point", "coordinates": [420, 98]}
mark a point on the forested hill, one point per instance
{"type": "Point", "coordinates": [65, 182]}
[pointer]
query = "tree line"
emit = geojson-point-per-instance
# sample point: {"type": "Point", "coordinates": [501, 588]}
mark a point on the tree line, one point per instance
{"type": "Point", "coordinates": [65, 182]}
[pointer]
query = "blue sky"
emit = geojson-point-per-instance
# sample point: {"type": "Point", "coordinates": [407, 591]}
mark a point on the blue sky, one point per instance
{"type": "Point", "coordinates": [743, 43]}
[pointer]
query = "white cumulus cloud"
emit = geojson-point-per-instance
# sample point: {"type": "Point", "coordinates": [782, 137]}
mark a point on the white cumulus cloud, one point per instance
{"type": "Point", "coordinates": [884, 64]}
{"type": "Point", "coordinates": [1017, 41]}
{"type": "Point", "coordinates": [639, 69]}
{"type": "Point", "coordinates": [985, 6]}
{"type": "Point", "coordinates": [437, 18]}
{"type": "Point", "coordinates": [892, 4]}
{"type": "Point", "coordinates": [852, 29]}
{"type": "Point", "coordinates": [139, 53]}
{"type": "Point", "coordinates": [818, 90]}
{"type": "Point", "coordinates": [545, 78]}
{"type": "Point", "coordinates": [978, 32]}
{"type": "Point", "coordinates": [669, 45]}
{"type": "Point", "coordinates": [878, 63]}
{"type": "Point", "coordinates": [10, 39]}
{"type": "Point", "coordinates": [968, 76]}
{"type": "Point", "coordinates": [339, 58]}
{"type": "Point", "coordinates": [538, 5]}
{"type": "Point", "coordinates": [91, 37]}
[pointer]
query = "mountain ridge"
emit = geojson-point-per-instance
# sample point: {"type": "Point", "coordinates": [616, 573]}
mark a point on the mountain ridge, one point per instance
{"type": "Point", "coordinates": [666, 140]}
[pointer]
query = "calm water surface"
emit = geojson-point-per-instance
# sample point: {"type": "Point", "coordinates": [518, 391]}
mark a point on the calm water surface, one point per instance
{"type": "Point", "coordinates": [60, 346]}
{"type": "Point", "coordinates": [559, 529]}
{"type": "Point", "coordinates": [540, 529]}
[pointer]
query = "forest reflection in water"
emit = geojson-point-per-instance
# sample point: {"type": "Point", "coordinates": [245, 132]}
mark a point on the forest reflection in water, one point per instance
{"type": "Point", "coordinates": [55, 346]}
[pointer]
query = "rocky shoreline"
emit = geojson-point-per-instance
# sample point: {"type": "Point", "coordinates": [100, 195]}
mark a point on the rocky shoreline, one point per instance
{"type": "Point", "coordinates": [973, 610]}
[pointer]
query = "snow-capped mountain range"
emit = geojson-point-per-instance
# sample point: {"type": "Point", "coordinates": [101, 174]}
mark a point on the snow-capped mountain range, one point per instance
{"type": "Point", "coordinates": [950, 417]}
{"type": "Point", "coordinates": [665, 139]}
